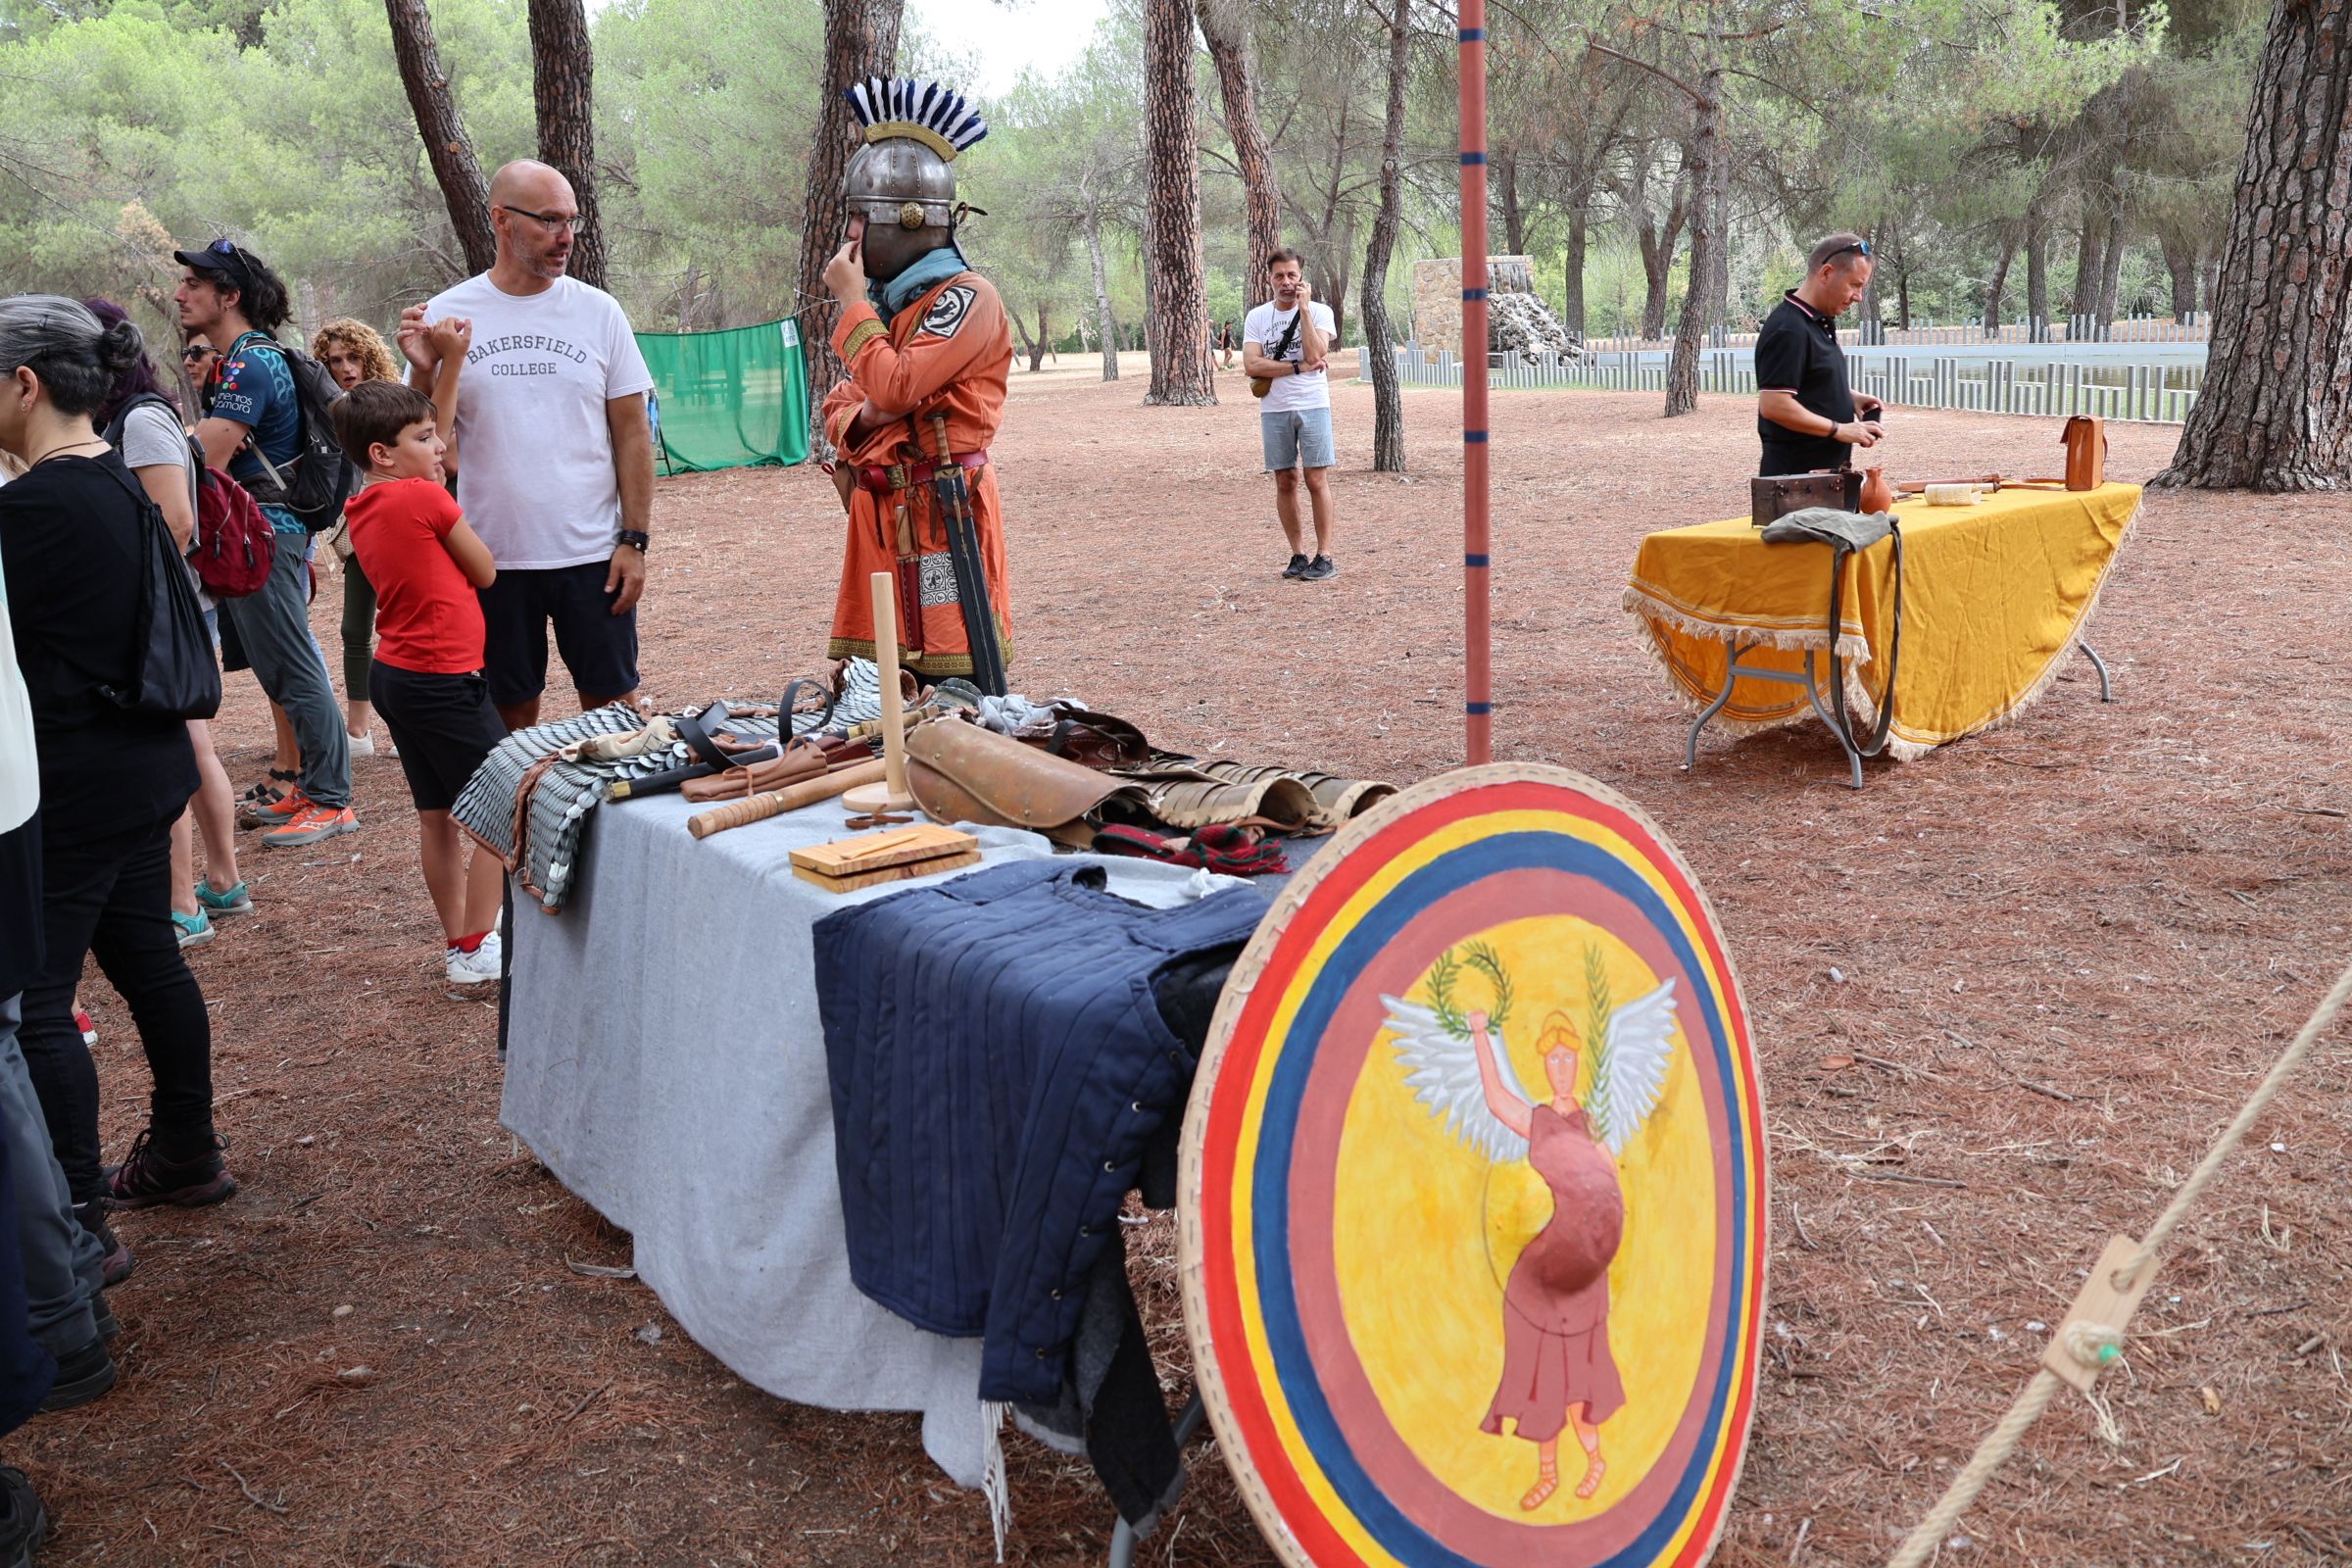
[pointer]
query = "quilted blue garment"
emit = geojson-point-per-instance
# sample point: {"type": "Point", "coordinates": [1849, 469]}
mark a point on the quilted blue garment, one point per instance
{"type": "Point", "coordinates": [997, 1061]}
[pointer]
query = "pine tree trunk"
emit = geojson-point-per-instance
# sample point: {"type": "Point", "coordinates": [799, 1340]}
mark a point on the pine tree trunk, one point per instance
{"type": "Point", "coordinates": [564, 90]}
{"type": "Point", "coordinates": [1657, 258]}
{"type": "Point", "coordinates": [862, 40]}
{"type": "Point", "coordinates": [1038, 344]}
{"type": "Point", "coordinates": [1571, 302]}
{"type": "Point", "coordinates": [1225, 26]}
{"type": "Point", "coordinates": [1998, 283]}
{"type": "Point", "coordinates": [1182, 373]}
{"type": "Point", "coordinates": [446, 147]}
{"type": "Point", "coordinates": [2111, 267]}
{"type": "Point", "coordinates": [2180, 264]}
{"type": "Point", "coordinates": [2038, 279]}
{"type": "Point", "coordinates": [2090, 258]}
{"type": "Point", "coordinates": [2275, 412]}
{"type": "Point", "coordinates": [1506, 190]}
{"type": "Point", "coordinates": [1681, 369]}
{"type": "Point", "coordinates": [1719, 281]}
{"type": "Point", "coordinates": [1870, 322]}
{"type": "Point", "coordinates": [1378, 354]}
{"type": "Point", "coordinates": [1110, 328]}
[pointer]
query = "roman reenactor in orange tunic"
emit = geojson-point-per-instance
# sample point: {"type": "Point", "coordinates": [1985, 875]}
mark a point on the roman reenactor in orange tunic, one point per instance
{"type": "Point", "coordinates": [928, 348]}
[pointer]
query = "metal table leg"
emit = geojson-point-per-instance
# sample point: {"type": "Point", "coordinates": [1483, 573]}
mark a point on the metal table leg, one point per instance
{"type": "Point", "coordinates": [1731, 674]}
{"type": "Point", "coordinates": [2106, 686]}
{"type": "Point", "coordinates": [1734, 671]}
{"type": "Point", "coordinates": [1846, 741]}
{"type": "Point", "coordinates": [1122, 1539]}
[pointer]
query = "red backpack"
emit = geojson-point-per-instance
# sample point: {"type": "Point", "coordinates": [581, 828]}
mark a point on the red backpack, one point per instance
{"type": "Point", "coordinates": [235, 546]}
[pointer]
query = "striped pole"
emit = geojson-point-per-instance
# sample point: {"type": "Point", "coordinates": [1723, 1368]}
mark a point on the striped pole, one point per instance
{"type": "Point", "coordinates": [1478, 665]}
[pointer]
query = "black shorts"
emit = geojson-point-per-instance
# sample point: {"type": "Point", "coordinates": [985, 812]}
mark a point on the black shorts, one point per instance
{"type": "Point", "coordinates": [443, 725]}
{"type": "Point", "coordinates": [599, 648]}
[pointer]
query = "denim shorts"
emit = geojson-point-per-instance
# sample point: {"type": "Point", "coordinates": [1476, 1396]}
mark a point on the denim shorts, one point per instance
{"type": "Point", "coordinates": [1295, 438]}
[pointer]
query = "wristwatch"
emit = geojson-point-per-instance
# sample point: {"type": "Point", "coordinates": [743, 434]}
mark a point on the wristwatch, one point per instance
{"type": "Point", "coordinates": [636, 538]}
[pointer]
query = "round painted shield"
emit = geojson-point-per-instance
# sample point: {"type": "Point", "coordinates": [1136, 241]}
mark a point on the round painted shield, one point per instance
{"type": "Point", "coordinates": [1473, 1223]}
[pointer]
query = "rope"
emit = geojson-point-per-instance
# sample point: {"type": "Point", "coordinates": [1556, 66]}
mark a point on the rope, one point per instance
{"type": "Point", "coordinates": [2002, 1440]}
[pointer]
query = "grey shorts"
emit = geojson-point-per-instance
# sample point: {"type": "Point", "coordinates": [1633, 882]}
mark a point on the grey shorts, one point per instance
{"type": "Point", "coordinates": [1295, 438]}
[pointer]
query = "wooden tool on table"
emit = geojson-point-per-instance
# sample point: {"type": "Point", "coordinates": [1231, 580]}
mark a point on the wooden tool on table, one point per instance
{"type": "Point", "coordinates": [759, 807]}
{"type": "Point", "coordinates": [922, 849]}
{"type": "Point", "coordinates": [1914, 487]}
{"type": "Point", "coordinates": [890, 793]}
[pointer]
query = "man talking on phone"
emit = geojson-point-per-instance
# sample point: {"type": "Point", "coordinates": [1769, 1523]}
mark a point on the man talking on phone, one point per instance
{"type": "Point", "coordinates": [1806, 416]}
{"type": "Point", "coordinates": [1284, 344]}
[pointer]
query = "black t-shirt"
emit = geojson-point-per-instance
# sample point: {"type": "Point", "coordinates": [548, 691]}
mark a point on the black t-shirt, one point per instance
{"type": "Point", "coordinates": [71, 543]}
{"type": "Point", "coordinates": [1797, 352]}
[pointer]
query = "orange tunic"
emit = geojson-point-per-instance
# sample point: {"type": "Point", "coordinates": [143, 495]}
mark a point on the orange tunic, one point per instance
{"type": "Point", "coordinates": [949, 353]}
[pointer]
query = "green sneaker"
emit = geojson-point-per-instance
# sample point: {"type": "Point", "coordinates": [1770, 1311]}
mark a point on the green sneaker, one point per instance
{"type": "Point", "coordinates": [195, 930]}
{"type": "Point", "coordinates": [235, 901]}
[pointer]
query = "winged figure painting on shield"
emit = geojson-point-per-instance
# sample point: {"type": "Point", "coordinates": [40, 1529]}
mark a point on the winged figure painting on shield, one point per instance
{"type": "Point", "coordinates": [1558, 1370]}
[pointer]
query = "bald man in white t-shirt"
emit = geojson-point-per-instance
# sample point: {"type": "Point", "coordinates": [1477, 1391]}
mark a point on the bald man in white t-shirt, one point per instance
{"type": "Point", "coordinates": [554, 451]}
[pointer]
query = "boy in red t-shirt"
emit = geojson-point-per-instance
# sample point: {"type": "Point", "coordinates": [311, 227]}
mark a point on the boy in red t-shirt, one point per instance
{"type": "Point", "coordinates": [426, 680]}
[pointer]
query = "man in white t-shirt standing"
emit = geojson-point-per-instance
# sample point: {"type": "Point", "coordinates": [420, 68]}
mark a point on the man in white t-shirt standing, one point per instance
{"type": "Point", "coordinates": [553, 451]}
{"type": "Point", "coordinates": [1285, 343]}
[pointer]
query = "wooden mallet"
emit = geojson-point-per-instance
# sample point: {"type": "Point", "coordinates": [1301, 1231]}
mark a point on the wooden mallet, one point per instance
{"type": "Point", "coordinates": [891, 795]}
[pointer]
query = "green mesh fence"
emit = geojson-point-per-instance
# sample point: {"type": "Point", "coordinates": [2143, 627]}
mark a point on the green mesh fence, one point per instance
{"type": "Point", "coordinates": [729, 399]}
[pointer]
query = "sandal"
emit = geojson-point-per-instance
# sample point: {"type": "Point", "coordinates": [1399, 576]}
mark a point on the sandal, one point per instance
{"type": "Point", "coordinates": [1593, 1473]}
{"type": "Point", "coordinates": [1547, 1482]}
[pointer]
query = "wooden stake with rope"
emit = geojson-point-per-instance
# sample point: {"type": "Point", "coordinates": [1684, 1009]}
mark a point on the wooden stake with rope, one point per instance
{"type": "Point", "coordinates": [2092, 1337]}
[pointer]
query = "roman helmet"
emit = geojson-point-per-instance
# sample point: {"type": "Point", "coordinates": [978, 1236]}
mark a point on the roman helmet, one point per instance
{"type": "Point", "coordinates": [901, 181]}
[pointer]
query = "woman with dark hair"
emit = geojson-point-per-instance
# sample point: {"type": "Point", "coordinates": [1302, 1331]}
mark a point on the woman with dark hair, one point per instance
{"type": "Point", "coordinates": [141, 418]}
{"type": "Point", "coordinates": [354, 352]}
{"type": "Point", "coordinates": [112, 781]}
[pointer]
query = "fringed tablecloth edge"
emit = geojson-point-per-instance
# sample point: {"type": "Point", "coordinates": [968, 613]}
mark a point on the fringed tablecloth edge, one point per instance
{"type": "Point", "coordinates": [1911, 751]}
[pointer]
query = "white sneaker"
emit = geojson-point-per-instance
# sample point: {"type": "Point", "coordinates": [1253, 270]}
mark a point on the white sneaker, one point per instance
{"type": "Point", "coordinates": [479, 967]}
{"type": "Point", "coordinates": [362, 744]}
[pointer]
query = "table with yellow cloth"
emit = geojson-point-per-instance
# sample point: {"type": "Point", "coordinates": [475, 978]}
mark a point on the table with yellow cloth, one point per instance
{"type": "Point", "coordinates": [1995, 597]}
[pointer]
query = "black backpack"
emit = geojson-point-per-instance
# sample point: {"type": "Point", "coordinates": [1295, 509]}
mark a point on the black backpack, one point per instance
{"type": "Point", "coordinates": [176, 675]}
{"type": "Point", "coordinates": [318, 481]}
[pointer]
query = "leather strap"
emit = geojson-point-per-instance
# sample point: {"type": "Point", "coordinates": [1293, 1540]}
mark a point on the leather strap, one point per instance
{"type": "Point", "coordinates": [908, 476]}
{"type": "Point", "coordinates": [1895, 647]}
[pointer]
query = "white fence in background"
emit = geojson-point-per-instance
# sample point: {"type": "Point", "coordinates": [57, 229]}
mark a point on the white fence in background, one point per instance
{"type": "Point", "coordinates": [2076, 330]}
{"type": "Point", "coordinates": [2152, 393]}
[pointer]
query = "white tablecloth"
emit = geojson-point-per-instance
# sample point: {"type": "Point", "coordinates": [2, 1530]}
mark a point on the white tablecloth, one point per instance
{"type": "Point", "coordinates": [666, 1063]}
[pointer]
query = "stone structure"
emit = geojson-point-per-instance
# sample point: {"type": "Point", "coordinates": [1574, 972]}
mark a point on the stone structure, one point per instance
{"type": "Point", "coordinates": [1516, 316]}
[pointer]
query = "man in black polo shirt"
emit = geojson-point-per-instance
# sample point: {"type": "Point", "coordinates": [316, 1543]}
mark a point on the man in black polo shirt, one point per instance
{"type": "Point", "coordinates": [1805, 413]}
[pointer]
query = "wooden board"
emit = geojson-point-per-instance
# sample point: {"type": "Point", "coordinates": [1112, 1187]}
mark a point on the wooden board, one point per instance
{"type": "Point", "coordinates": [871, 851]}
{"type": "Point", "coordinates": [1395, 1302]}
{"type": "Point", "coordinates": [955, 860]}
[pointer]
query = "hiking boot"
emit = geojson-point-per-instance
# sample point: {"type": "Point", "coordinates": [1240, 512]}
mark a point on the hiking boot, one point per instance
{"type": "Point", "coordinates": [149, 1179]}
{"type": "Point", "coordinates": [1298, 565]}
{"type": "Point", "coordinates": [24, 1522]}
{"type": "Point", "coordinates": [195, 930]}
{"type": "Point", "coordinates": [118, 1261]}
{"type": "Point", "coordinates": [313, 824]}
{"type": "Point", "coordinates": [236, 901]}
{"type": "Point", "coordinates": [1318, 570]}
{"type": "Point", "coordinates": [82, 1376]}
{"type": "Point", "coordinates": [481, 966]}
{"type": "Point", "coordinates": [104, 1316]}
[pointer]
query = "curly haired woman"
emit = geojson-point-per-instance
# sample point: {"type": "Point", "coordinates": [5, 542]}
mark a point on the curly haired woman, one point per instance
{"type": "Point", "coordinates": [353, 352]}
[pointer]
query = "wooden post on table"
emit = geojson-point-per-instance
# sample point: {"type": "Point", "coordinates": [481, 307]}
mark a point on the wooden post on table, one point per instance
{"type": "Point", "coordinates": [891, 795]}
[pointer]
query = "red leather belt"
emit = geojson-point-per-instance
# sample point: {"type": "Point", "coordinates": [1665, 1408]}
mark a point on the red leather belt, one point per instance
{"type": "Point", "coordinates": [906, 476]}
